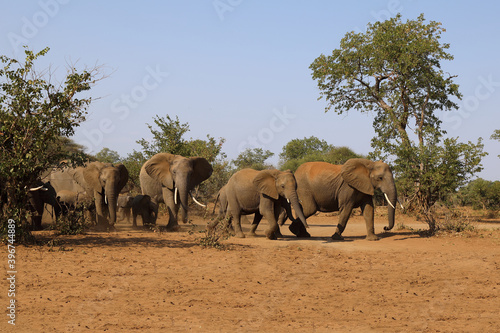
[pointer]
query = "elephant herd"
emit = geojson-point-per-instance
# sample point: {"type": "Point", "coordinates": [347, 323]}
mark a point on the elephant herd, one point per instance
{"type": "Point", "coordinates": [170, 179]}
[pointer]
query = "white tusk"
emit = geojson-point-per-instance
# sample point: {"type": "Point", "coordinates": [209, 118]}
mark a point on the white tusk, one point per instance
{"type": "Point", "coordinates": [175, 196]}
{"type": "Point", "coordinates": [194, 199]}
{"type": "Point", "coordinates": [389, 201]}
{"type": "Point", "coordinates": [401, 205]}
{"type": "Point", "coordinates": [106, 199]}
{"type": "Point", "coordinates": [287, 200]}
{"type": "Point", "coordinates": [36, 188]}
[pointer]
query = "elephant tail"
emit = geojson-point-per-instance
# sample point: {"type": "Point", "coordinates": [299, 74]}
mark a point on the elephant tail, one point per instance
{"type": "Point", "coordinates": [215, 203]}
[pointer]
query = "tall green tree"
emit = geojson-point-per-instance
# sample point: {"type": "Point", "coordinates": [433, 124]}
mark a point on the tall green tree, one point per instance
{"type": "Point", "coordinates": [107, 155]}
{"type": "Point", "coordinates": [169, 137]}
{"type": "Point", "coordinates": [300, 148]}
{"type": "Point", "coordinates": [394, 70]}
{"type": "Point", "coordinates": [34, 114]}
{"type": "Point", "coordinates": [253, 158]}
{"type": "Point", "coordinates": [299, 151]}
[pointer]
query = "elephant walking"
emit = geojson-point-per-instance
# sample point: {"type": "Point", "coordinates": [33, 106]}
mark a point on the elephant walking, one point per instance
{"type": "Point", "coordinates": [125, 207]}
{"type": "Point", "coordinates": [101, 181]}
{"type": "Point", "coordinates": [71, 201]}
{"type": "Point", "coordinates": [38, 196]}
{"type": "Point", "coordinates": [169, 179]}
{"type": "Point", "coordinates": [147, 209]}
{"type": "Point", "coordinates": [326, 187]}
{"type": "Point", "coordinates": [262, 193]}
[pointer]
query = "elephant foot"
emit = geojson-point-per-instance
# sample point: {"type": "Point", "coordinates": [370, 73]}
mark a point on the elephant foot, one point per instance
{"type": "Point", "coordinates": [271, 235]}
{"type": "Point", "coordinates": [299, 231]}
{"type": "Point", "coordinates": [337, 237]}
{"type": "Point", "coordinates": [372, 237]}
{"type": "Point", "coordinates": [173, 228]}
{"type": "Point", "coordinates": [278, 234]}
{"type": "Point", "coordinates": [239, 235]}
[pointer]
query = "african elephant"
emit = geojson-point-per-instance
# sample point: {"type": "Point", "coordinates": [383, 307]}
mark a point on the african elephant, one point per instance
{"type": "Point", "coordinates": [147, 209]}
{"type": "Point", "coordinates": [39, 195]}
{"type": "Point", "coordinates": [262, 193]}
{"type": "Point", "coordinates": [101, 181]}
{"type": "Point", "coordinates": [70, 200]}
{"type": "Point", "coordinates": [170, 179]}
{"type": "Point", "coordinates": [125, 206]}
{"type": "Point", "coordinates": [326, 187]}
{"type": "Point", "coordinates": [222, 198]}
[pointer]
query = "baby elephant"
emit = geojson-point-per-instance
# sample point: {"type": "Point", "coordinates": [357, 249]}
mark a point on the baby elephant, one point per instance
{"type": "Point", "coordinates": [125, 207]}
{"type": "Point", "coordinates": [147, 209]}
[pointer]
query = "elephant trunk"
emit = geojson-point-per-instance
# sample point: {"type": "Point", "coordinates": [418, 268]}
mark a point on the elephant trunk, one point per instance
{"type": "Point", "coordinates": [391, 197]}
{"type": "Point", "coordinates": [183, 193]}
{"type": "Point", "coordinates": [294, 201]}
{"type": "Point", "coordinates": [111, 198]}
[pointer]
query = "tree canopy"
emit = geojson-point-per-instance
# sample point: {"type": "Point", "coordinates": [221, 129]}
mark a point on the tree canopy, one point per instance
{"type": "Point", "coordinates": [299, 151]}
{"type": "Point", "coordinates": [107, 155]}
{"type": "Point", "coordinates": [394, 70]}
{"type": "Point", "coordinates": [253, 158]}
{"type": "Point", "coordinates": [35, 117]}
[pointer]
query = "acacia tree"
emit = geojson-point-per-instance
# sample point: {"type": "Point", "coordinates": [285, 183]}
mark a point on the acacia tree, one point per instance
{"type": "Point", "coordinates": [34, 115]}
{"type": "Point", "coordinates": [394, 70]}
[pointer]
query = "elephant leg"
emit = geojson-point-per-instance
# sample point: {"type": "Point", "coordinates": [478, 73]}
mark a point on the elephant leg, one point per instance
{"type": "Point", "coordinates": [269, 210]}
{"type": "Point", "coordinates": [345, 213]}
{"type": "Point", "coordinates": [172, 209]}
{"type": "Point", "coordinates": [236, 219]}
{"type": "Point", "coordinates": [36, 222]}
{"type": "Point", "coordinates": [134, 219]}
{"type": "Point", "coordinates": [255, 223]}
{"type": "Point", "coordinates": [368, 212]}
{"type": "Point", "coordinates": [277, 214]}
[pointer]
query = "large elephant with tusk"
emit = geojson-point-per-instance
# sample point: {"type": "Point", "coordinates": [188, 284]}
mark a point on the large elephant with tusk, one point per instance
{"type": "Point", "coordinates": [326, 187]}
{"type": "Point", "coordinates": [169, 179]}
{"type": "Point", "coordinates": [100, 181]}
{"type": "Point", "coordinates": [39, 195]}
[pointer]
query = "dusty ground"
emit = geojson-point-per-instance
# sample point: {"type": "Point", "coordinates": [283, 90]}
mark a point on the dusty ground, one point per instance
{"type": "Point", "coordinates": [137, 280]}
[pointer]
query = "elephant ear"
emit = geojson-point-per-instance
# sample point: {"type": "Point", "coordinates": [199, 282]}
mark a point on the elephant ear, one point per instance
{"type": "Point", "coordinates": [91, 175]}
{"type": "Point", "coordinates": [266, 183]}
{"type": "Point", "coordinates": [158, 168]}
{"type": "Point", "coordinates": [123, 176]}
{"type": "Point", "coordinates": [356, 172]}
{"type": "Point", "coordinates": [202, 170]}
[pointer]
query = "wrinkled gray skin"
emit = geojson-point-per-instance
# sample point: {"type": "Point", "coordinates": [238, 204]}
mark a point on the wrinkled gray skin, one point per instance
{"type": "Point", "coordinates": [163, 173]}
{"type": "Point", "coordinates": [101, 181]}
{"type": "Point", "coordinates": [70, 200]}
{"type": "Point", "coordinates": [261, 193]}
{"type": "Point", "coordinates": [222, 199]}
{"type": "Point", "coordinates": [147, 209]}
{"type": "Point", "coordinates": [326, 187]}
{"type": "Point", "coordinates": [125, 207]}
{"type": "Point", "coordinates": [39, 195]}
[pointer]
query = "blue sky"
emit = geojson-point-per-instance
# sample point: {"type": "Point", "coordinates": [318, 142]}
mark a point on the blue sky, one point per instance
{"type": "Point", "coordinates": [239, 69]}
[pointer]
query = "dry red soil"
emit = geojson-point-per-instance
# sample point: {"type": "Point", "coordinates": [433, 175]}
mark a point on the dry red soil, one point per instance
{"type": "Point", "coordinates": [138, 280]}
